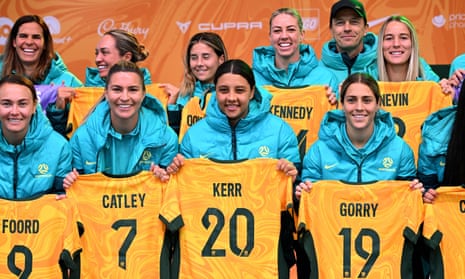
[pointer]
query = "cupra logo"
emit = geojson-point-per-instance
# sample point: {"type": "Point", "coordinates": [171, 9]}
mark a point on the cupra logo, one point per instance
{"type": "Point", "coordinates": [210, 26]}
{"type": "Point", "coordinates": [183, 26]}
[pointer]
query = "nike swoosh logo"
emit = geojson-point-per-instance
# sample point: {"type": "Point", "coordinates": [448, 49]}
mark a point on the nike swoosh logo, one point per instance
{"type": "Point", "coordinates": [327, 167]}
{"type": "Point", "coordinates": [203, 156]}
{"type": "Point", "coordinates": [375, 22]}
{"type": "Point", "coordinates": [442, 164]}
{"type": "Point", "coordinates": [90, 163]}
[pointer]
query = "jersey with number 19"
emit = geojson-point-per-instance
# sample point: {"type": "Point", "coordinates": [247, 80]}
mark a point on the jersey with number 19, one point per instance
{"type": "Point", "coordinates": [443, 228]}
{"type": "Point", "coordinates": [360, 230]}
{"type": "Point", "coordinates": [232, 218]}
{"type": "Point", "coordinates": [35, 235]}
{"type": "Point", "coordinates": [123, 236]}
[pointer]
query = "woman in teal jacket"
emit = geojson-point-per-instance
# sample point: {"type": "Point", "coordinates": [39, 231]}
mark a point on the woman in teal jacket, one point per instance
{"type": "Point", "coordinates": [243, 137]}
{"type": "Point", "coordinates": [58, 73]}
{"type": "Point", "coordinates": [398, 53]}
{"type": "Point", "coordinates": [238, 124]}
{"type": "Point", "coordinates": [358, 143]}
{"type": "Point", "coordinates": [34, 158]}
{"type": "Point", "coordinates": [287, 62]}
{"type": "Point", "coordinates": [306, 71]}
{"type": "Point", "coordinates": [441, 152]}
{"type": "Point", "coordinates": [436, 133]}
{"type": "Point", "coordinates": [204, 54]}
{"type": "Point", "coordinates": [114, 46]}
{"type": "Point", "coordinates": [127, 132]}
{"type": "Point", "coordinates": [29, 52]}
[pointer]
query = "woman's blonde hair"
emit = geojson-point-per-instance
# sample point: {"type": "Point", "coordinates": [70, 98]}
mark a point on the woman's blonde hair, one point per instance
{"type": "Point", "coordinates": [415, 69]}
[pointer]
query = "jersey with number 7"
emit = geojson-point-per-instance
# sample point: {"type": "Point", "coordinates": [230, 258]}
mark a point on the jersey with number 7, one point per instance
{"type": "Point", "coordinates": [123, 236]}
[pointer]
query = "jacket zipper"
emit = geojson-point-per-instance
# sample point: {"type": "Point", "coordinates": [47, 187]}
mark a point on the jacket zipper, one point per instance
{"type": "Point", "coordinates": [15, 172]}
{"type": "Point", "coordinates": [234, 142]}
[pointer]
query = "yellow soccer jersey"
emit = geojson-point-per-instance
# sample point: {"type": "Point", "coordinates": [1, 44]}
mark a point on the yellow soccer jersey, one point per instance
{"type": "Point", "coordinates": [82, 104]}
{"type": "Point", "coordinates": [303, 109]}
{"type": "Point", "coordinates": [192, 112]}
{"type": "Point", "coordinates": [35, 235]}
{"type": "Point", "coordinates": [443, 228]}
{"type": "Point", "coordinates": [410, 103]}
{"type": "Point", "coordinates": [360, 231]}
{"type": "Point", "coordinates": [123, 236]}
{"type": "Point", "coordinates": [232, 218]}
{"type": "Point", "coordinates": [157, 92]}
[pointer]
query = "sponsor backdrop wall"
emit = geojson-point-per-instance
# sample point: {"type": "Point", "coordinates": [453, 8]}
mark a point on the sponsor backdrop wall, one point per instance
{"type": "Point", "coordinates": [165, 26]}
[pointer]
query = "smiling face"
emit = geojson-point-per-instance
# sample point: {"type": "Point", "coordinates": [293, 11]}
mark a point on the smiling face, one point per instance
{"type": "Point", "coordinates": [203, 62]}
{"type": "Point", "coordinates": [16, 109]}
{"type": "Point", "coordinates": [106, 55]}
{"type": "Point", "coordinates": [285, 37]}
{"type": "Point", "coordinates": [348, 30]}
{"type": "Point", "coordinates": [233, 93]}
{"type": "Point", "coordinates": [397, 43]}
{"type": "Point", "coordinates": [29, 43]}
{"type": "Point", "coordinates": [124, 94]}
{"type": "Point", "coordinates": [360, 107]}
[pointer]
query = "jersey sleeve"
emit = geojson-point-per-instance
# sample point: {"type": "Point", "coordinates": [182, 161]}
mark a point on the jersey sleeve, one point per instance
{"type": "Point", "coordinates": [430, 227]}
{"type": "Point", "coordinates": [170, 212]}
{"type": "Point", "coordinates": [72, 249]}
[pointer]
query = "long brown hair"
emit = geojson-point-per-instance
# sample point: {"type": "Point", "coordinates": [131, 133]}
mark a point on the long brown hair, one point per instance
{"type": "Point", "coordinates": [415, 69]}
{"type": "Point", "coordinates": [212, 40]}
{"type": "Point", "coordinates": [11, 62]}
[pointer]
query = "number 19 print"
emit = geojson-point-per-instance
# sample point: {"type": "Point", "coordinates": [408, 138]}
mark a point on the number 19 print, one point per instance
{"type": "Point", "coordinates": [360, 231]}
